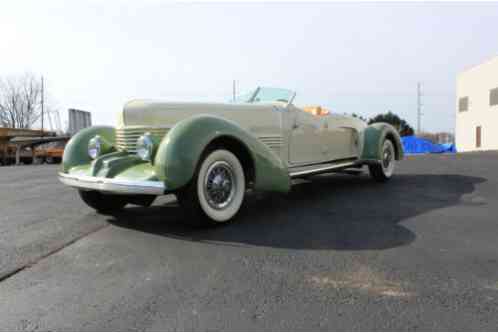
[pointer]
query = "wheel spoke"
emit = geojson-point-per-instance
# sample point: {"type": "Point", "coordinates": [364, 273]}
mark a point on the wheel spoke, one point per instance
{"type": "Point", "coordinates": [388, 157]}
{"type": "Point", "coordinates": [219, 185]}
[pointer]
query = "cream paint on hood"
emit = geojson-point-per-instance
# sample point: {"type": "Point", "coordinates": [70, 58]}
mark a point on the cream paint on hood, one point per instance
{"type": "Point", "coordinates": [261, 118]}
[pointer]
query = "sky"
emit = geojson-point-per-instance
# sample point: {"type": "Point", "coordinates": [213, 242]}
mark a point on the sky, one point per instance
{"type": "Point", "coordinates": [363, 58]}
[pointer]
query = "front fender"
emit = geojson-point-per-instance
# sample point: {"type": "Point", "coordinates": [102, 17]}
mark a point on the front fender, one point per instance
{"type": "Point", "coordinates": [373, 138]}
{"type": "Point", "coordinates": [76, 151]}
{"type": "Point", "coordinates": [181, 149]}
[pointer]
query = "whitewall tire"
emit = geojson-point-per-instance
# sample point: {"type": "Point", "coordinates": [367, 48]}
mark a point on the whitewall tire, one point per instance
{"type": "Point", "coordinates": [384, 170]}
{"type": "Point", "coordinates": [217, 190]}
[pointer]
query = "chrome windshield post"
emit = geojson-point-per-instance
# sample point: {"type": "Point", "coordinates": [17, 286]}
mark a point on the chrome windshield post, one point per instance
{"type": "Point", "coordinates": [291, 99]}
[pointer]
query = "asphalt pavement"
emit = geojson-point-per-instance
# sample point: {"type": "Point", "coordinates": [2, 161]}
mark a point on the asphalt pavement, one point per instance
{"type": "Point", "coordinates": [339, 252]}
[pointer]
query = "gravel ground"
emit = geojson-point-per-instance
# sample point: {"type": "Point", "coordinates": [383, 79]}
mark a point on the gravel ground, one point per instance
{"type": "Point", "coordinates": [337, 253]}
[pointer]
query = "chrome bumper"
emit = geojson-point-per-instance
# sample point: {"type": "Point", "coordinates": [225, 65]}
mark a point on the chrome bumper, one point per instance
{"type": "Point", "coordinates": [117, 186]}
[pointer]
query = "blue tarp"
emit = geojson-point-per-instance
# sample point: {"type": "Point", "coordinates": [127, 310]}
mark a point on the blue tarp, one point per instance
{"type": "Point", "coordinates": [414, 145]}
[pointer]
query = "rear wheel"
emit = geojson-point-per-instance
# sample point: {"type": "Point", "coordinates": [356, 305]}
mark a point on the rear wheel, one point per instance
{"type": "Point", "coordinates": [216, 192]}
{"type": "Point", "coordinates": [384, 170]}
{"type": "Point", "coordinates": [103, 203]}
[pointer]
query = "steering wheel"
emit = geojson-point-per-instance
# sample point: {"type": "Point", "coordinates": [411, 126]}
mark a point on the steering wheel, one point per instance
{"type": "Point", "coordinates": [282, 100]}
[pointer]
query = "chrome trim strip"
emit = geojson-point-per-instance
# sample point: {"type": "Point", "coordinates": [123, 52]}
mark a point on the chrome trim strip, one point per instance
{"type": "Point", "coordinates": [329, 162]}
{"type": "Point", "coordinates": [117, 186]}
{"type": "Point", "coordinates": [127, 136]}
{"type": "Point", "coordinates": [322, 169]}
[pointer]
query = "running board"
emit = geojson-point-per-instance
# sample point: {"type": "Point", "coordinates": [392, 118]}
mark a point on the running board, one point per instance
{"type": "Point", "coordinates": [322, 169]}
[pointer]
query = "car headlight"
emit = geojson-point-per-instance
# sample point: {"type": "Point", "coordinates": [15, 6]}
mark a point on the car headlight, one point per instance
{"type": "Point", "coordinates": [95, 147]}
{"type": "Point", "coordinates": [98, 146]}
{"type": "Point", "coordinates": [145, 147]}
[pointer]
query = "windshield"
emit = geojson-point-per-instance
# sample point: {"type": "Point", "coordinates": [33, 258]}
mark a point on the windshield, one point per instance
{"type": "Point", "coordinates": [267, 95]}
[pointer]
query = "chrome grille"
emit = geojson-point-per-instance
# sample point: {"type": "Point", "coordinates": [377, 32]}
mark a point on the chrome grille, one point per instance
{"type": "Point", "coordinates": [274, 142]}
{"type": "Point", "coordinates": [126, 137]}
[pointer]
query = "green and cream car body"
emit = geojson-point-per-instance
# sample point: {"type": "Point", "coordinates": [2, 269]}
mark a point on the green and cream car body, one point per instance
{"type": "Point", "coordinates": [209, 154]}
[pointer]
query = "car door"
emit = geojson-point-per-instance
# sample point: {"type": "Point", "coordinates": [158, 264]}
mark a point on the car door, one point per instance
{"type": "Point", "coordinates": [306, 144]}
{"type": "Point", "coordinates": [341, 138]}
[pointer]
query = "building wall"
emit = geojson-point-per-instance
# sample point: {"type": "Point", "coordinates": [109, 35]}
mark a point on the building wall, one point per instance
{"type": "Point", "coordinates": [476, 83]}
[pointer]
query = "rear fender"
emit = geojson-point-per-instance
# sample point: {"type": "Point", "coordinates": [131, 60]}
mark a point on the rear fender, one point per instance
{"type": "Point", "coordinates": [373, 138]}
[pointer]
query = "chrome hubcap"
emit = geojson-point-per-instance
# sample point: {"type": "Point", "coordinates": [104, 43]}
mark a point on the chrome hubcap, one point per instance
{"type": "Point", "coordinates": [219, 185]}
{"type": "Point", "coordinates": [387, 158]}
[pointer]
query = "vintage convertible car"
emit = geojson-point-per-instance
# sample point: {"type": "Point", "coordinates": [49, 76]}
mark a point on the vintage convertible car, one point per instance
{"type": "Point", "coordinates": [209, 154]}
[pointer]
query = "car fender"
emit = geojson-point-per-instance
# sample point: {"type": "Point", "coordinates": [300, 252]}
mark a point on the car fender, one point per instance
{"type": "Point", "coordinates": [373, 137]}
{"type": "Point", "coordinates": [180, 151]}
{"type": "Point", "coordinates": [76, 151]}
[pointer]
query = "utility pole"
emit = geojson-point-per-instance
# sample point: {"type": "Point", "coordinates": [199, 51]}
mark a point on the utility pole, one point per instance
{"type": "Point", "coordinates": [42, 102]}
{"type": "Point", "coordinates": [419, 107]}
{"type": "Point", "coordinates": [234, 91]}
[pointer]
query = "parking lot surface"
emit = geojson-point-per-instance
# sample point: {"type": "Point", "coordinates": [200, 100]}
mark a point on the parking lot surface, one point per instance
{"type": "Point", "coordinates": [337, 253]}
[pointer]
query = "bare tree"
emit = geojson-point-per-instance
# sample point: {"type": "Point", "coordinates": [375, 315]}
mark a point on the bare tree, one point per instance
{"type": "Point", "coordinates": [20, 101]}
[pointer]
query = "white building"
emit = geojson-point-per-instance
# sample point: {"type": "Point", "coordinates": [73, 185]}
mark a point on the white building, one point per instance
{"type": "Point", "coordinates": [477, 107]}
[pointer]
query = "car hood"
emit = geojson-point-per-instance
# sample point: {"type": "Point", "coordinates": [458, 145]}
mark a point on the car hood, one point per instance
{"type": "Point", "coordinates": [159, 113]}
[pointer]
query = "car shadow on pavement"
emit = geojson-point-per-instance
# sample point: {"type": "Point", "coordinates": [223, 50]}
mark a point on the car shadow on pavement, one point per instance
{"type": "Point", "coordinates": [331, 212]}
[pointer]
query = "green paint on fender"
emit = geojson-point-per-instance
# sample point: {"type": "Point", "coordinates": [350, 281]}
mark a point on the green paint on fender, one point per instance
{"type": "Point", "coordinates": [181, 149]}
{"type": "Point", "coordinates": [76, 151]}
{"type": "Point", "coordinates": [114, 164]}
{"type": "Point", "coordinates": [374, 136]}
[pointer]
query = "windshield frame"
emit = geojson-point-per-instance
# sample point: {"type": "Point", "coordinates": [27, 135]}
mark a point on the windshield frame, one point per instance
{"type": "Point", "coordinates": [251, 100]}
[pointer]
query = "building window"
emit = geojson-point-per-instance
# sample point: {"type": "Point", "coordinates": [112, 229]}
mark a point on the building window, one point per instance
{"type": "Point", "coordinates": [463, 104]}
{"type": "Point", "coordinates": [493, 97]}
{"type": "Point", "coordinates": [478, 136]}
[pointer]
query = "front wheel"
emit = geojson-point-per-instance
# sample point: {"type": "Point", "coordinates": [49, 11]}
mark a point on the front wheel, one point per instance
{"type": "Point", "coordinates": [384, 170]}
{"type": "Point", "coordinates": [103, 203]}
{"type": "Point", "coordinates": [216, 191]}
